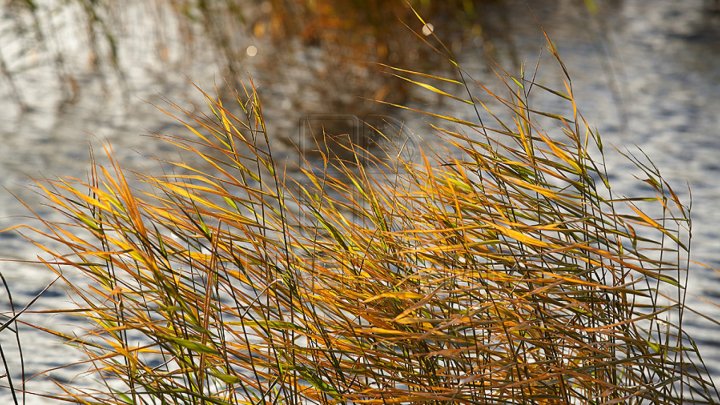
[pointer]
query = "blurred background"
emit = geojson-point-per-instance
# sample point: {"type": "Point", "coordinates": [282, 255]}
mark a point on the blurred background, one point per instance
{"type": "Point", "coordinates": [75, 73]}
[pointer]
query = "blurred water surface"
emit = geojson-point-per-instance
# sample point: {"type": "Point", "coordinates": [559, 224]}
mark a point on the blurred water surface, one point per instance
{"type": "Point", "coordinates": [645, 73]}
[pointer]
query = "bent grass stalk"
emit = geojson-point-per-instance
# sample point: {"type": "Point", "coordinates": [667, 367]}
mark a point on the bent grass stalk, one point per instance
{"type": "Point", "coordinates": [504, 271]}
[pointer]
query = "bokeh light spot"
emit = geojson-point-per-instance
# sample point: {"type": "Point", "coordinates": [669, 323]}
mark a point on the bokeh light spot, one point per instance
{"type": "Point", "coordinates": [428, 29]}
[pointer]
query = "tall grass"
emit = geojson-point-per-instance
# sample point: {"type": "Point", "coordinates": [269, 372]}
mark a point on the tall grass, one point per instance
{"type": "Point", "coordinates": [501, 270]}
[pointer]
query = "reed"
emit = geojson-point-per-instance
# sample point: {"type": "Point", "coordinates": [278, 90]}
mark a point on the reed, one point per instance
{"type": "Point", "coordinates": [502, 270]}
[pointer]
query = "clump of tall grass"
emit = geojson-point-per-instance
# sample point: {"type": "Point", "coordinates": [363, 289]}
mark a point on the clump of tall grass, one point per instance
{"type": "Point", "coordinates": [503, 270]}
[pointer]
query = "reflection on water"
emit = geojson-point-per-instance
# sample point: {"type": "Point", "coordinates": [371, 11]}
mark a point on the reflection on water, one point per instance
{"type": "Point", "coordinates": [645, 73]}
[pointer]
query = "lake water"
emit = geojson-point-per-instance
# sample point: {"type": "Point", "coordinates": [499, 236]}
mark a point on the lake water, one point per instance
{"type": "Point", "coordinates": [645, 73]}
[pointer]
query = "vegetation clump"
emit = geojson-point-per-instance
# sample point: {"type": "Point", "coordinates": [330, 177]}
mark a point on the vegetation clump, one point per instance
{"type": "Point", "coordinates": [503, 271]}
